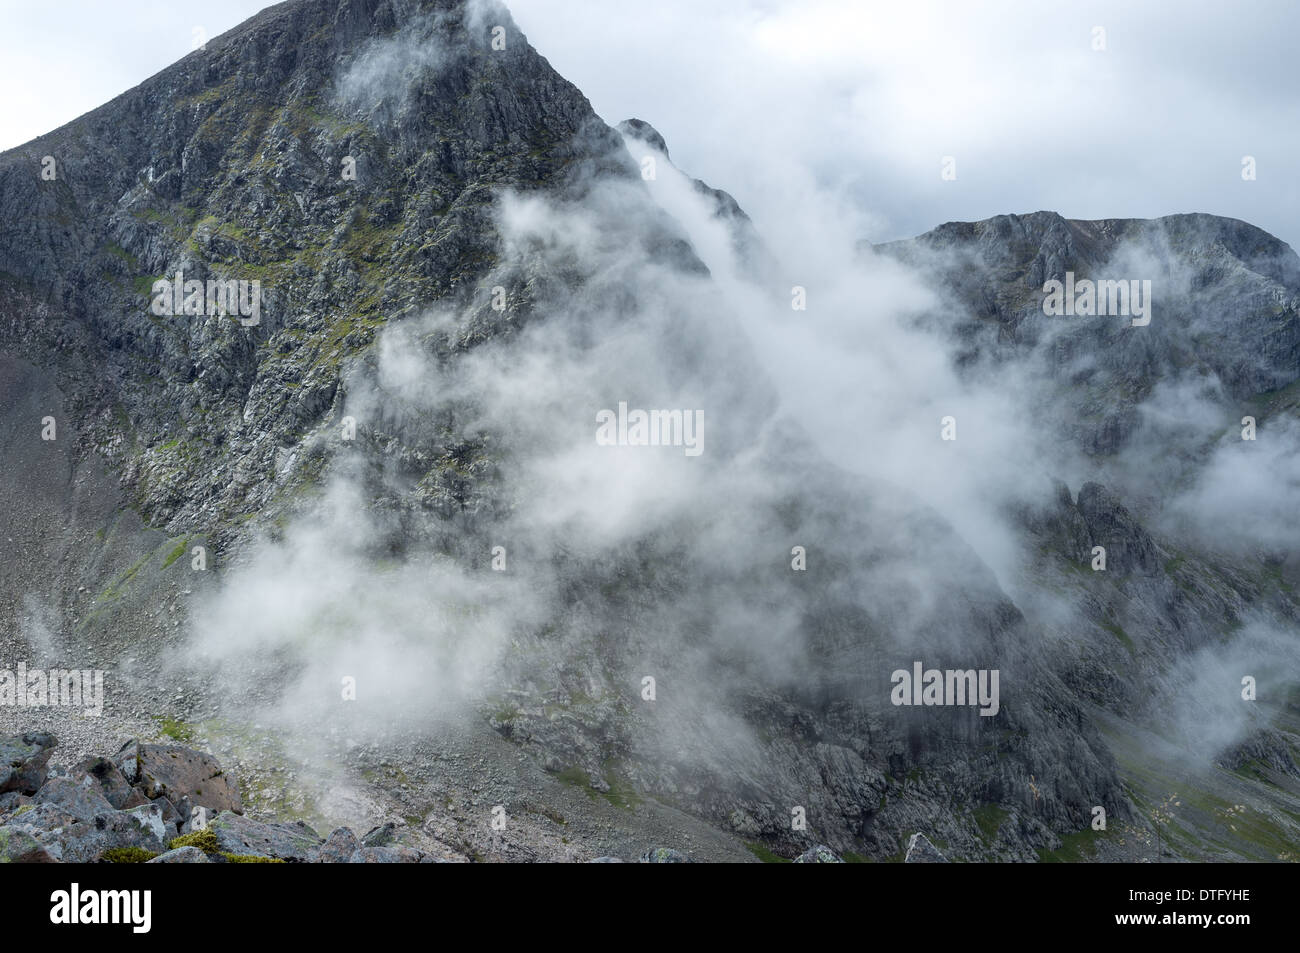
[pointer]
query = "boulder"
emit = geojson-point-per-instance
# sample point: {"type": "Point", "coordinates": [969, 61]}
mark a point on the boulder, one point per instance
{"type": "Point", "coordinates": [139, 827]}
{"type": "Point", "coordinates": [819, 854]}
{"type": "Point", "coordinates": [12, 801]}
{"type": "Point", "coordinates": [23, 761]}
{"type": "Point", "coordinates": [176, 772]}
{"type": "Point", "coordinates": [338, 847]}
{"type": "Point", "coordinates": [295, 843]}
{"type": "Point", "coordinates": [380, 836]}
{"type": "Point", "coordinates": [20, 847]}
{"type": "Point", "coordinates": [127, 760]}
{"type": "Point", "coordinates": [181, 855]}
{"type": "Point", "coordinates": [108, 777]}
{"type": "Point", "coordinates": [395, 854]}
{"type": "Point", "coordinates": [664, 855]}
{"type": "Point", "coordinates": [69, 839]}
{"type": "Point", "coordinates": [82, 799]}
{"type": "Point", "coordinates": [43, 819]}
{"type": "Point", "coordinates": [171, 816]}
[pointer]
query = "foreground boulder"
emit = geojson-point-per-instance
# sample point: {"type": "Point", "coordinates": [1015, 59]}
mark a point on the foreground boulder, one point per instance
{"type": "Point", "coordinates": [141, 828]}
{"type": "Point", "coordinates": [35, 833]}
{"type": "Point", "coordinates": [139, 807]}
{"type": "Point", "coordinates": [380, 836]}
{"type": "Point", "coordinates": [293, 843]}
{"type": "Point", "coordinates": [181, 855]}
{"type": "Point", "coordinates": [46, 832]}
{"type": "Point", "coordinates": [395, 854]}
{"type": "Point", "coordinates": [664, 855]}
{"type": "Point", "coordinates": [338, 847]}
{"type": "Point", "coordinates": [12, 801]}
{"type": "Point", "coordinates": [23, 761]}
{"type": "Point", "coordinates": [81, 799]}
{"type": "Point", "coordinates": [18, 846]}
{"type": "Point", "coordinates": [108, 778]}
{"type": "Point", "coordinates": [177, 773]}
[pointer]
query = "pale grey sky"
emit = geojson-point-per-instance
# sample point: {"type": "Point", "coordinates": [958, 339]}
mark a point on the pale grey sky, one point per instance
{"type": "Point", "coordinates": [861, 98]}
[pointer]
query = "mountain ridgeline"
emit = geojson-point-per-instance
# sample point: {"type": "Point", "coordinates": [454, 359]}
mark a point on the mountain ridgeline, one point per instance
{"type": "Point", "coordinates": [377, 522]}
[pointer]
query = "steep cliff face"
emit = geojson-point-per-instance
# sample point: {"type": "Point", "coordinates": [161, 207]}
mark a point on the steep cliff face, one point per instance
{"type": "Point", "coordinates": [394, 473]}
{"type": "Point", "coordinates": [345, 165]}
{"type": "Point", "coordinates": [239, 162]}
{"type": "Point", "coordinates": [1180, 437]}
{"type": "Point", "coordinates": [1224, 300]}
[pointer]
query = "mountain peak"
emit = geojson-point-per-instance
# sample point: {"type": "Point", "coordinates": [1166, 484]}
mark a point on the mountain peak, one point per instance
{"type": "Point", "coordinates": [641, 130]}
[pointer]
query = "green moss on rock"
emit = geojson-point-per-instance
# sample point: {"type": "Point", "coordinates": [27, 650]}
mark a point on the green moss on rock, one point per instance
{"type": "Point", "coordinates": [127, 855]}
{"type": "Point", "coordinates": [204, 840]}
{"type": "Point", "coordinates": [250, 859]}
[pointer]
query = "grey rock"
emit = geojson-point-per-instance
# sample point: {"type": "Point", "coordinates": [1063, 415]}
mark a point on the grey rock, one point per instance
{"type": "Point", "coordinates": [82, 799]}
{"type": "Point", "coordinates": [12, 801]}
{"type": "Point", "coordinates": [236, 834]}
{"type": "Point", "coordinates": [1129, 548]}
{"type": "Point", "coordinates": [18, 846]}
{"type": "Point", "coordinates": [380, 836]}
{"type": "Point", "coordinates": [139, 827]}
{"type": "Point", "coordinates": [23, 761]}
{"type": "Point", "coordinates": [338, 847]}
{"type": "Point", "coordinates": [176, 772]}
{"type": "Point", "coordinates": [664, 855]}
{"type": "Point", "coordinates": [819, 854]}
{"type": "Point", "coordinates": [106, 775]}
{"type": "Point", "coordinates": [386, 855]}
{"type": "Point", "coordinates": [41, 819]}
{"type": "Point", "coordinates": [171, 816]}
{"type": "Point", "coordinates": [127, 760]}
{"type": "Point", "coordinates": [181, 855]}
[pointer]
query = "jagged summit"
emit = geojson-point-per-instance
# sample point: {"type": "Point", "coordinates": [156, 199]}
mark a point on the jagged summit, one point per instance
{"type": "Point", "coordinates": [264, 116]}
{"type": "Point", "coordinates": [747, 244]}
{"type": "Point", "coordinates": [1194, 233]}
{"type": "Point", "coordinates": [1224, 296]}
{"type": "Point", "coordinates": [302, 39]}
{"type": "Point", "coordinates": [642, 130]}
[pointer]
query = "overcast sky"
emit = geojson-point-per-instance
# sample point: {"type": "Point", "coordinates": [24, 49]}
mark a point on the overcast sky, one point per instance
{"type": "Point", "coordinates": [863, 98]}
